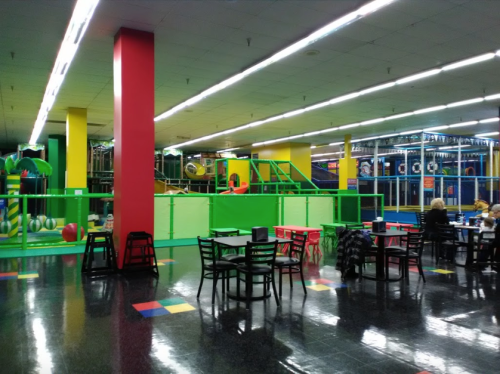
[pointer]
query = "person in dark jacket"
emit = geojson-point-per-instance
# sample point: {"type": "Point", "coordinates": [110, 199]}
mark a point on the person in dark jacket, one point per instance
{"type": "Point", "coordinates": [436, 215]}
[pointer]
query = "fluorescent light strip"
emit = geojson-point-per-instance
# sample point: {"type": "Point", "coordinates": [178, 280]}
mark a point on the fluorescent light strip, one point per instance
{"type": "Point", "coordinates": [454, 146]}
{"type": "Point", "coordinates": [301, 44]}
{"type": "Point", "coordinates": [383, 119]}
{"type": "Point", "coordinates": [416, 144]}
{"type": "Point", "coordinates": [228, 150]}
{"type": "Point", "coordinates": [382, 86]}
{"type": "Point", "coordinates": [80, 19]}
{"type": "Point", "coordinates": [487, 134]}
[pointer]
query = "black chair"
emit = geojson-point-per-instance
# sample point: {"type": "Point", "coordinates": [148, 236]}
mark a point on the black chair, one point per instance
{"type": "Point", "coordinates": [259, 261]}
{"type": "Point", "coordinates": [232, 257]}
{"type": "Point", "coordinates": [294, 262]}
{"type": "Point", "coordinates": [108, 253]}
{"type": "Point", "coordinates": [447, 242]}
{"type": "Point", "coordinates": [414, 245]}
{"type": "Point", "coordinates": [211, 266]}
{"type": "Point", "coordinates": [421, 220]}
{"type": "Point", "coordinates": [485, 249]}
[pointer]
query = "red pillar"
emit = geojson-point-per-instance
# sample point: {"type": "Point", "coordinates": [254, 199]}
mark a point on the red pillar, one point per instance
{"type": "Point", "coordinates": [134, 135]}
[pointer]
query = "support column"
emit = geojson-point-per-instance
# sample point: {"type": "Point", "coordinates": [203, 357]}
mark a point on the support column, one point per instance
{"type": "Point", "coordinates": [56, 159]}
{"type": "Point", "coordinates": [76, 164]}
{"type": "Point", "coordinates": [347, 165]}
{"type": "Point", "coordinates": [134, 135]}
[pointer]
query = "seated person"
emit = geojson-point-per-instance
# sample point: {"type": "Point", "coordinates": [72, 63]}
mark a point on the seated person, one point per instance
{"type": "Point", "coordinates": [436, 215]}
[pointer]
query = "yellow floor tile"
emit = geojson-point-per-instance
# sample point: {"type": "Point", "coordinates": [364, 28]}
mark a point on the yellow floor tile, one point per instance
{"type": "Point", "coordinates": [441, 271]}
{"type": "Point", "coordinates": [319, 287]}
{"type": "Point", "coordinates": [27, 276]}
{"type": "Point", "coordinates": [179, 308]}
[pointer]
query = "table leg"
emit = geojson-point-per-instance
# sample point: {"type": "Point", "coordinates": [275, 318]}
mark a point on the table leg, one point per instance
{"type": "Point", "coordinates": [380, 259]}
{"type": "Point", "coordinates": [470, 248]}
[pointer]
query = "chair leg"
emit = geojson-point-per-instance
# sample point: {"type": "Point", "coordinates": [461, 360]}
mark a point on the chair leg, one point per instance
{"type": "Point", "coordinates": [248, 296]}
{"type": "Point", "coordinates": [274, 289]}
{"type": "Point", "coordinates": [302, 279]}
{"type": "Point", "coordinates": [224, 282]}
{"type": "Point", "coordinates": [281, 279]}
{"type": "Point", "coordinates": [420, 270]}
{"type": "Point", "coordinates": [216, 276]}
{"type": "Point", "coordinates": [201, 284]}
{"type": "Point", "coordinates": [290, 275]}
{"type": "Point", "coordinates": [238, 283]}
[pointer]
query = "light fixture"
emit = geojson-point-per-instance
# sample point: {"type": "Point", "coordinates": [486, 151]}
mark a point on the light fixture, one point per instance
{"type": "Point", "coordinates": [410, 132]}
{"type": "Point", "coordinates": [80, 19]}
{"type": "Point", "coordinates": [487, 134]}
{"type": "Point", "coordinates": [412, 144]}
{"type": "Point", "coordinates": [197, 156]}
{"type": "Point", "coordinates": [353, 95]}
{"type": "Point", "coordinates": [301, 44]}
{"type": "Point", "coordinates": [469, 61]}
{"type": "Point", "coordinates": [401, 115]}
{"type": "Point", "coordinates": [337, 143]}
{"type": "Point", "coordinates": [466, 102]}
{"type": "Point", "coordinates": [228, 150]}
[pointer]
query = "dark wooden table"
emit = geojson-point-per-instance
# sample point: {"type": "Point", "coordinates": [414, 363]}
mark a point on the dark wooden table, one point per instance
{"type": "Point", "coordinates": [380, 264]}
{"type": "Point", "coordinates": [470, 242]}
{"type": "Point", "coordinates": [239, 242]}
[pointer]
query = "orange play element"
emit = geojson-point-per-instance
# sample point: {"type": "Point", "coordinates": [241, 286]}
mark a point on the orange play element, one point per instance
{"type": "Point", "coordinates": [238, 190]}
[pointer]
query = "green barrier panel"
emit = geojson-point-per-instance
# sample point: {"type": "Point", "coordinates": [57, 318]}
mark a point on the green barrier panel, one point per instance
{"type": "Point", "coordinates": [162, 218]}
{"type": "Point", "coordinates": [295, 210]}
{"type": "Point", "coordinates": [190, 216]}
{"type": "Point", "coordinates": [349, 209]}
{"type": "Point", "coordinates": [245, 212]}
{"type": "Point", "coordinates": [320, 210]}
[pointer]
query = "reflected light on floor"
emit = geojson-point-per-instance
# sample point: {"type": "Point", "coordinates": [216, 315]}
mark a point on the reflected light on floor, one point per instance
{"type": "Point", "coordinates": [43, 355]}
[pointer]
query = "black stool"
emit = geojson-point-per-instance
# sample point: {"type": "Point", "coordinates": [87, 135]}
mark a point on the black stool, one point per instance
{"type": "Point", "coordinates": [146, 260]}
{"type": "Point", "coordinates": [108, 253]}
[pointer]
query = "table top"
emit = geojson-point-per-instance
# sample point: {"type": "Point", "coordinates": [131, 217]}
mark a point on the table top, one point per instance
{"type": "Point", "coordinates": [226, 229]}
{"type": "Point", "coordinates": [391, 224]}
{"type": "Point", "coordinates": [389, 233]}
{"type": "Point", "coordinates": [298, 228]}
{"type": "Point", "coordinates": [241, 241]}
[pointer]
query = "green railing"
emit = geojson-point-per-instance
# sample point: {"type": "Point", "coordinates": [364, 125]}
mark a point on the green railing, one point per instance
{"type": "Point", "coordinates": [187, 216]}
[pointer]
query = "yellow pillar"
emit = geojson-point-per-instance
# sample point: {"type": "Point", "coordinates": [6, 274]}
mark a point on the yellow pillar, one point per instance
{"type": "Point", "coordinates": [76, 165]}
{"type": "Point", "coordinates": [76, 148]}
{"type": "Point", "coordinates": [347, 165]}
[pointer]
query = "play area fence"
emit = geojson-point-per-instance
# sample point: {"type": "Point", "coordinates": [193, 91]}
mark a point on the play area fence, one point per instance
{"type": "Point", "coordinates": [187, 216]}
{"type": "Point", "coordinates": [459, 192]}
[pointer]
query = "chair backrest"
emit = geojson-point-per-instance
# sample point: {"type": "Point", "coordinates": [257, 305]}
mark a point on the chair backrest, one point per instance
{"type": "Point", "coordinates": [446, 232]}
{"type": "Point", "coordinates": [485, 239]}
{"type": "Point", "coordinates": [415, 242]}
{"type": "Point", "coordinates": [354, 226]}
{"type": "Point", "coordinates": [224, 234]}
{"type": "Point", "coordinates": [313, 237]}
{"type": "Point", "coordinates": [421, 219]}
{"type": "Point", "coordinates": [260, 253]}
{"type": "Point", "coordinates": [297, 248]}
{"type": "Point", "coordinates": [207, 251]}
{"type": "Point", "coordinates": [280, 233]}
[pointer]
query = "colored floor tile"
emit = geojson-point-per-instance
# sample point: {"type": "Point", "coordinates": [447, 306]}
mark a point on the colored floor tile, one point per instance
{"type": "Point", "coordinates": [154, 312]}
{"type": "Point", "coordinates": [179, 308]}
{"type": "Point", "coordinates": [27, 276]}
{"type": "Point", "coordinates": [441, 271]}
{"type": "Point", "coordinates": [148, 305]}
{"type": "Point", "coordinates": [172, 301]}
{"type": "Point", "coordinates": [321, 281]}
{"type": "Point", "coordinates": [319, 287]}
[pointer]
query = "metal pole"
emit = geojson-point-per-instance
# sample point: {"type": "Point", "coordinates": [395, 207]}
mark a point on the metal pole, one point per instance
{"type": "Point", "coordinates": [491, 171]}
{"type": "Point", "coordinates": [441, 182]}
{"type": "Point", "coordinates": [434, 172]}
{"type": "Point", "coordinates": [397, 194]}
{"type": "Point", "coordinates": [375, 173]}
{"type": "Point", "coordinates": [459, 173]}
{"type": "Point", "coordinates": [422, 169]}
{"type": "Point", "coordinates": [406, 177]}
{"type": "Point", "coordinates": [476, 188]}
{"type": "Point", "coordinates": [390, 192]}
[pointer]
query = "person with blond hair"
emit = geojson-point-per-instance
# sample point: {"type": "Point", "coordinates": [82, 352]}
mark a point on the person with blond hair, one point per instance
{"type": "Point", "coordinates": [437, 215]}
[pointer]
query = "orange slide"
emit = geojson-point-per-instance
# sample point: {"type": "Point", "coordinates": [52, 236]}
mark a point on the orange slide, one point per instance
{"type": "Point", "coordinates": [238, 190]}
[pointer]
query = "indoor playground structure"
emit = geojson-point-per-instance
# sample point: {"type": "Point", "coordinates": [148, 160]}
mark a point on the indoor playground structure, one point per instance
{"type": "Point", "coordinates": [263, 177]}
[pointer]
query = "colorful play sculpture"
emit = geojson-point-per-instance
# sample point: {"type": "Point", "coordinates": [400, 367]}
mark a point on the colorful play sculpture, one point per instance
{"type": "Point", "coordinates": [194, 170]}
{"type": "Point", "coordinates": [35, 225]}
{"type": "Point", "coordinates": [50, 223]}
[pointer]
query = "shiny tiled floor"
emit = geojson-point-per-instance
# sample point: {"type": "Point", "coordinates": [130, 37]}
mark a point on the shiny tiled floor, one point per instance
{"type": "Point", "coordinates": [62, 322]}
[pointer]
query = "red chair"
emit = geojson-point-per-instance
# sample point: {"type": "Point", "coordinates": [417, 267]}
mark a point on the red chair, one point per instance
{"type": "Point", "coordinates": [288, 235]}
{"type": "Point", "coordinates": [313, 240]}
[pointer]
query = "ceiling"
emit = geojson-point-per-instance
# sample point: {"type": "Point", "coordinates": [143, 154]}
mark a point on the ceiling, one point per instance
{"type": "Point", "coordinates": [201, 43]}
